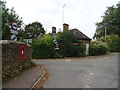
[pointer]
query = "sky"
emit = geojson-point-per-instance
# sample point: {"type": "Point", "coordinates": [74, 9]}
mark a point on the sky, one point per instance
{"type": "Point", "coordinates": [80, 14]}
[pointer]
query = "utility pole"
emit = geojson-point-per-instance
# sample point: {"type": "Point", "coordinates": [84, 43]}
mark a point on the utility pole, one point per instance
{"type": "Point", "coordinates": [63, 14]}
{"type": "Point", "coordinates": [105, 25]}
{"type": "Point", "coordinates": [105, 32]}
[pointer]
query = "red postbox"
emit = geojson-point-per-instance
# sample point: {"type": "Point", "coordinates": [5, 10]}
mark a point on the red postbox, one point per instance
{"type": "Point", "coordinates": [22, 54]}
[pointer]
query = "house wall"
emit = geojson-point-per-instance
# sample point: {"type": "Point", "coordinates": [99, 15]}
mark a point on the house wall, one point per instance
{"type": "Point", "coordinates": [87, 49]}
{"type": "Point", "coordinates": [87, 42]}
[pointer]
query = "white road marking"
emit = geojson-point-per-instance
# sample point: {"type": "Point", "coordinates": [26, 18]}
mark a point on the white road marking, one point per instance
{"type": "Point", "coordinates": [91, 73]}
{"type": "Point", "coordinates": [68, 60]}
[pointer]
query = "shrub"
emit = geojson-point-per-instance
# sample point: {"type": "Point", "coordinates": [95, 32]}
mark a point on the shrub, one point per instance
{"type": "Point", "coordinates": [112, 41]}
{"type": "Point", "coordinates": [58, 55]}
{"type": "Point", "coordinates": [98, 48]}
{"type": "Point", "coordinates": [66, 49]}
{"type": "Point", "coordinates": [114, 45]}
{"type": "Point", "coordinates": [43, 47]}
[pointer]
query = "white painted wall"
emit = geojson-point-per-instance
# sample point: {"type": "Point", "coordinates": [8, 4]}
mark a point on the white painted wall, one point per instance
{"type": "Point", "coordinates": [87, 49]}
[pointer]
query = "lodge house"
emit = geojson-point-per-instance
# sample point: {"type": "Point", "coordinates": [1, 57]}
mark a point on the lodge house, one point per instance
{"type": "Point", "coordinates": [79, 35]}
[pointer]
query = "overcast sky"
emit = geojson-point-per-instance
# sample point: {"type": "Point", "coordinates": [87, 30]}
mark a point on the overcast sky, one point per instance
{"type": "Point", "coordinates": [80, 14]}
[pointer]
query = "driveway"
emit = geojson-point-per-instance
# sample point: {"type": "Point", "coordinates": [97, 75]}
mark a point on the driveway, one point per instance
{"type": "Point", "coordinates": [85, 72]}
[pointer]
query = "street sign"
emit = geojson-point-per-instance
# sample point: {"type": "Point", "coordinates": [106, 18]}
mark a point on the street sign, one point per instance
{"type": "Point", "coordinates": [57, 46]}
{"type": "Point", "coordinates": [14, 26]}
{"type": "Point", "coordinates": [13, 37]}
{"type": "Point", "coordinates": [55, 41]}
{"type": "Point", "coordinates": [28, 41]}
{"type": "Point", "coordinates": [14, 32]}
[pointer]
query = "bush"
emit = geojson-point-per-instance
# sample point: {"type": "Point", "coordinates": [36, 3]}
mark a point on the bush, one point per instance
{"type": "Point", "coordinates": [58, 55]}
{"type": "Point", "coordinates": [43, 47]}
{"type": "Point", "coordinates": [114, 45]}
{"type": "Point", "coordinates": [98, 48]}
{"type": "Point", "coordinates": [112, 41]}
{"type": "Point", "coordinates": [66, 49]}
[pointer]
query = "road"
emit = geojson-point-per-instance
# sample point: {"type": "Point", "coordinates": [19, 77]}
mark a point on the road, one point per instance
{"type": "Point", "coordinates": [87, 72]}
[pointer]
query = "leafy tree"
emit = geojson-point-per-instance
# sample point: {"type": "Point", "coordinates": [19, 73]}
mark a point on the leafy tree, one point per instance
{"type": "Point", "coordinates": [20, 35]}
{"type": "Point", "coordinates": [66, 49]}
{"type": "Point", "coordinates": [8, 16]}
{"type": "Point", "coordinates": [33, 30]}
{"type": "Point", "coordinates": [111, 20]}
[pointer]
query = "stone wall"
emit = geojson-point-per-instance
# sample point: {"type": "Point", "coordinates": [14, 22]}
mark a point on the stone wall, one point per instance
{"type": "Point", "coordinates": [12, 65]}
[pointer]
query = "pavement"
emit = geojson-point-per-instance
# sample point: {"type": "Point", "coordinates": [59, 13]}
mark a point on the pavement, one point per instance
{"type": "Point", "coordinates": [27, 79]}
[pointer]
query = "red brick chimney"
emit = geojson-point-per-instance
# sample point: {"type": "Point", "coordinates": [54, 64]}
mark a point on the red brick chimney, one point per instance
{"type": "Point", "coordinates": [53, 29]}
{"type": "Point", "coordinates": [65, 26]}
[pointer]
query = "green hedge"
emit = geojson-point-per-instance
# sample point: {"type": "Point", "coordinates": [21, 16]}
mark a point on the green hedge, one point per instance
{"type": "Point", "coordinates": [43, 47]}
{"type": "Point", "coordinates": [66, 49]}
{"type": "Point", "coordinates": [114, 44]}
{"type": "Point", "coordinates": [112, 41]}
{"type": "Point", "coordinates": [98, 48]}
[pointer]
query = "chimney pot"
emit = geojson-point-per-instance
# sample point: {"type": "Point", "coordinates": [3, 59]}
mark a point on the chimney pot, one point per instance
{"type": "Point", "coordinates": [65, 26]}
{"type": "Point", "coordinates": [53, 29]}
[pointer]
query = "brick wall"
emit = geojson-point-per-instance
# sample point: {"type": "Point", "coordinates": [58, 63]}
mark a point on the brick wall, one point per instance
{"type": "Point", "coordinates": [12, 65]}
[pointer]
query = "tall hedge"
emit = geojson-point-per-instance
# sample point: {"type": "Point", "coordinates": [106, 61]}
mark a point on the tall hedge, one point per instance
{"type": "Point", "coordinates": [43, 47]}
{"type": "Point", "coordinates": [66, 48]}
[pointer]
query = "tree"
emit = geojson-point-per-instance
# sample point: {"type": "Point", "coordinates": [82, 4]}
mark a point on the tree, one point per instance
{"type": "Point", "coordinates": [66, 49]}
{"type": "Point", "coordinates": [33, 30]}
{"type": "Point", "coordinates": [111, 20]}
{"type": "Point", "coordinates": [8, 16]}
{"type": "Point", "coordinates": [20, 36]}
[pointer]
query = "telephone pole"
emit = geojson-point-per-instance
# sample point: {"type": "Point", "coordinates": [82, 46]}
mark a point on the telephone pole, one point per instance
{"type": "Point", "coordinates": [105, 32]}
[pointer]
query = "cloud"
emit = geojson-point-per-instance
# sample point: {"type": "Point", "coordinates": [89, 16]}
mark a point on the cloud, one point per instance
{"type": "Point", "coordinates": [81, 14]}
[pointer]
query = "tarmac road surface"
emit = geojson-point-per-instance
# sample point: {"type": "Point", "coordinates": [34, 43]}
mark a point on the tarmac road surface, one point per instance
{"type": "Point", "coordinates": [87, 72]}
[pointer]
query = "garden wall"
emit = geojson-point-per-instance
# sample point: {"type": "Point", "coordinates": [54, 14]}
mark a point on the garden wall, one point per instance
{"type": "Point", "coordinates": [12, 65]}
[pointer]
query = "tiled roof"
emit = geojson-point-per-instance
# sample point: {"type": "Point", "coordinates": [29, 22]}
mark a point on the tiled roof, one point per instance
{"type": "Point", "coordinates": [79, 35]}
